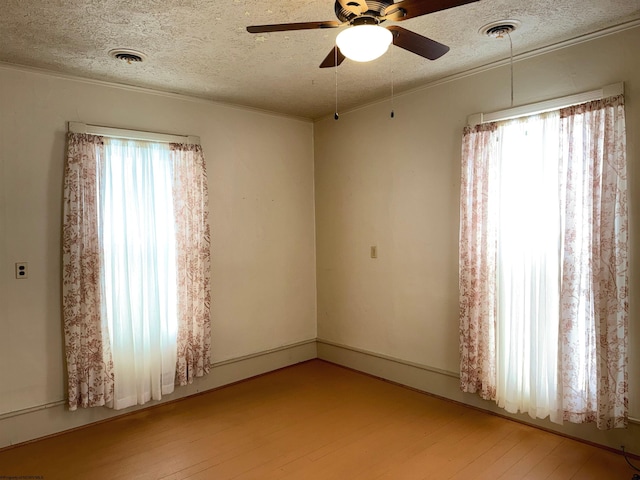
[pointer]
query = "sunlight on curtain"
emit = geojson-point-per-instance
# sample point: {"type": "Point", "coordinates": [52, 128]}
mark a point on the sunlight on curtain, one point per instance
{"type": "Point", "coordinates": [528, 265]}
{"type": "Point", "coordinates": [139, 275]}
{"type": "Point", "coordinates": [544, 264]}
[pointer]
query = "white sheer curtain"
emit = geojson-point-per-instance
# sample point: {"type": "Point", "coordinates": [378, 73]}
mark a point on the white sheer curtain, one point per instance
{"type": "Point", "coordinates": [543, 264]}
{"type": "Point", "coordinates": [138, 273]}
{"type": "Point", "coordinates": [528, 259]}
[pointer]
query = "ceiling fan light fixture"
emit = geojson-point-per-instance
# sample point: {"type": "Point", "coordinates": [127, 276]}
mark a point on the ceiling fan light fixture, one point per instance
{"type": "Point", "coordinates": [363, 43]}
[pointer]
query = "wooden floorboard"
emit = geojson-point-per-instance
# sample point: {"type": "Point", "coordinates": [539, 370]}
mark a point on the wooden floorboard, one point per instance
{"type": "Point", "coordinates": [312, 421]}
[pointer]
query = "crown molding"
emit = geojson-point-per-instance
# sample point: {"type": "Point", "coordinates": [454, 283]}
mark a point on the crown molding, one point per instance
{"type": "Point", "coordinates": [146, 90]}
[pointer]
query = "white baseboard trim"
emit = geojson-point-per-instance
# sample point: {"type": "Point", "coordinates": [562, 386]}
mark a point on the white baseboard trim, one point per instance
{"type": "Point", "coordinates": [44, 420]}
{"type": "Point", "coordinates": [446, 384]}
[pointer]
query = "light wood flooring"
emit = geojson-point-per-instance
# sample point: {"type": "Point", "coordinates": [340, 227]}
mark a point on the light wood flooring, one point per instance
{"type": "Point", "coordinates": [312, 421]}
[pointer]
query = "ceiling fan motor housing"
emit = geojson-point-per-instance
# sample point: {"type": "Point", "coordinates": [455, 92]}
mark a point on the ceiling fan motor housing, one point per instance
{"type": "Point", "coordinates": [376, 7]}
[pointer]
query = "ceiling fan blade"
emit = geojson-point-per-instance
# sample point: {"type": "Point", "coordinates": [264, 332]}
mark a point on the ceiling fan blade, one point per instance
{"type": "Point", "coordinates": [285, 27]}
{"type": "Point", "coordinates": [354, 6]}
{"type": "Point", "coordinates": [406, 9]}
{"type": "Point", "coordinates": [415, 43]}
{"type": "Point", "coordinates": [330, 60]}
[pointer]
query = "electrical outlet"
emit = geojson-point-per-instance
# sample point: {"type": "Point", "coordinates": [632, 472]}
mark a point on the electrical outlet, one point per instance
{"type": "Point", "coordinates": [21, 270]}
{"type": "Point", "coordinates": [374, 252]}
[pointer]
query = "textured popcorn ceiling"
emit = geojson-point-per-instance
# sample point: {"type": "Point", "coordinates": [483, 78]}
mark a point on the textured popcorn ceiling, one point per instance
{"type": "Point", "coordinates": [201, 47]}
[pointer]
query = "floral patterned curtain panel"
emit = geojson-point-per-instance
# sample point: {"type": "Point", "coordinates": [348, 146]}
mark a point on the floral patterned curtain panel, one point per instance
{"type": "Point", "coordinates": [193, 240]}
{"type": "Point", "coordinates": [478, 260]}
{"type": "Point", "coordinates": [136, 269]}
{"type": "Point", "coordinates": [589, 321]}
{"type": "Point", "coordinates": [87, 346]}
{"type": "Point", "coordinates": [593, 354]}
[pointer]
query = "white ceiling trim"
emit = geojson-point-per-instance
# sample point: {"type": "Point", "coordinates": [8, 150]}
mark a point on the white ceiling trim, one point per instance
{"type": "Point", "coordinates": [148, 91]}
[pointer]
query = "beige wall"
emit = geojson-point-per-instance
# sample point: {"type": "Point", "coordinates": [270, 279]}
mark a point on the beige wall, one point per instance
{"type": "Point", "coordinates": [260, 169]}
{"type": "Point", "coordinates": [395, 183]}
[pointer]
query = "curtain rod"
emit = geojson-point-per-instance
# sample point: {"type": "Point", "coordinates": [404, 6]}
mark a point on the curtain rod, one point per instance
{"type": "Point", "coordinates": [78, 127]}
{"type": "Point", "coordinates": [547, 105]}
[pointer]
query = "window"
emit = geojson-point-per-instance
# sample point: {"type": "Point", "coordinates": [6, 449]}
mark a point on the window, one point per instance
{"type": "Point", "coordinates": [543, 264]}
{"type": "Point", "coordinates": [136, 295]}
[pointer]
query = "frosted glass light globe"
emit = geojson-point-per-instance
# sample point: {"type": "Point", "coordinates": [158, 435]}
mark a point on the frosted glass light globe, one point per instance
{"type": "Point", "coordinates": [363, 43]}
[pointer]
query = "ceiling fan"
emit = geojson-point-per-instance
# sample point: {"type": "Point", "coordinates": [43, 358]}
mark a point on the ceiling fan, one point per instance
{"type": "Point", "coordinates": [363, 19]}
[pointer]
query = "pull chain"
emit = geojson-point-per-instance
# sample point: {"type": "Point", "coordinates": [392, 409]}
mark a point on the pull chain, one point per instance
{"type": "Point", "coordinates": [511, 63]}
{"type": "Point", "coordinates": [392, 109]}
{"type": "Point", "coordinates": [335, 51]}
